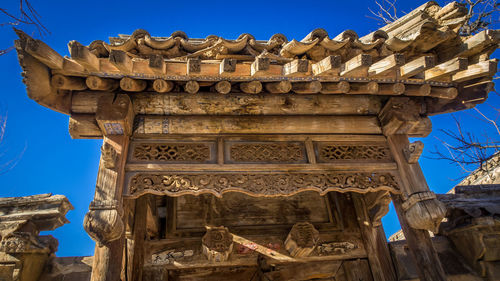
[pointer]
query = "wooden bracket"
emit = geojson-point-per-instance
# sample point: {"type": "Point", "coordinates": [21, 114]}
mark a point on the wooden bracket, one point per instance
{"type": "Point", "coordinates": [413, 151]}
{"type": "Point", "coordinates": [424, 211]}
{"type": "Point", "coordinates": [115, 116]}
{"type": "Point", "coordinates": [302, 239]}
{"type": "Point", "coordinates": [217, 244]}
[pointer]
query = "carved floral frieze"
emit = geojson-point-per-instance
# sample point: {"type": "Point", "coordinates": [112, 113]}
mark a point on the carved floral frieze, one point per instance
{"type": "Point", "coordinates": [258, 184]}
{"type": "Point", "coordinates": [276, 152]}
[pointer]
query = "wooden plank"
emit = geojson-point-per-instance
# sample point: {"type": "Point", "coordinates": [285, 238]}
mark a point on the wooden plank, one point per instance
{"type": "Point", "coordinates": [416, 66]}
{"type": "Point", "coordinates": [386, 65]}
{"type": "Point", "coordinates": [83, 56]}
{"type": "Point", "coordinates": [44, 53]}
{"type": "Point", "coordinates": [327, 66]}
{"type": "Point", "coordinates": [482, 69]}
{"type": "Point", "coordinates": [357, 66]}
{"type": "Point", "coordinates": [205, 103]}
{"type": "Point", "coordinates": [443, 72]}
{"type": "Point", "coordinates": [268, 125]}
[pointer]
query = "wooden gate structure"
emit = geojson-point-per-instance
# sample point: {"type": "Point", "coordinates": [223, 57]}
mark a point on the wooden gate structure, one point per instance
{"type": "Point", "coordinates": [262, 160]}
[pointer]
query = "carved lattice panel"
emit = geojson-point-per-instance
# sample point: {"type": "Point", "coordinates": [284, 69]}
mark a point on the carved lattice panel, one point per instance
{"type": "Point", "coordinates": [265, 152]}
{"type": "Point", "coordinates": [173, 152]}
{"type": "Point", "coordinates": [329, 152]}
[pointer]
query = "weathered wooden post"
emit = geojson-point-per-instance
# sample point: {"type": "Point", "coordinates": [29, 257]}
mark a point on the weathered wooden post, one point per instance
{"type": "Point", "coordinates": [104, 221]}
{"type": "Point", "coordinates": [417, 207]}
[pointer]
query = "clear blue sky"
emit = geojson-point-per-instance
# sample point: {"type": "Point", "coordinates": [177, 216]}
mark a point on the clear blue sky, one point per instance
{"type": "Point", "coordinates": [53, 162]}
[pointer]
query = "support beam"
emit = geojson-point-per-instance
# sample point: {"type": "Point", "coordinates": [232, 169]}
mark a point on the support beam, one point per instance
{"type": "Point", "coordinates": [391, 89]}
{"type": "Point", "coordinates": [417, 90]}
{"type": "Point", "coordinates": [84, 126]}
{"type": "Point", "coordinates": [44, 53]}
{"type": "Point", "coordinates": [135, 245]}
{"type": "Point", "coordinates": [444, 93]}
{"type": "Point", "coordinates": [259, 66]}
{"type": "Point", "coordinates": [227, 66]}
{"type": "Point", "coordinates": [157, 64]}
{"type": "Point", "coordinates": [192, 87]}
{"type": "Point", "coordinates": [364, 88]}
{"type": "Point", "coordinates": [296, 68]}
{"type": "Point", "coordinates": [482, 69]}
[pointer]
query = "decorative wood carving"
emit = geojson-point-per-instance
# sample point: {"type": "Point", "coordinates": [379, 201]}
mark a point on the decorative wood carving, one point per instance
{"type": "Point", "coordinates": [217, 244]}
{"type": "Point", "coordinates": [258, 184]}
{"type": "Point", "coordinates": [402, 115]}
{"type": "Point", "coordinates": [302, 239]}
{"type": "Point", "coordinates": [336, 248]}
{"type": "Point", "coordinates": [108, 155]}
{"type": "Point", "coordinates": [328, 152]}
{"type": "Point", "coordinates": [171, 152]}
{"type": "Point", "coordinates": [377, 205]}
{"type": "Point", "coordinates": [103, 222]}
{"type": "Point", "coordinates": [424, 211]}
{"type": "Point", "coordinates": [413, 151]}
{"type": "Point", "coordinates": [115, 114]}
{"type": "Point", "coordinates": [267, 152]}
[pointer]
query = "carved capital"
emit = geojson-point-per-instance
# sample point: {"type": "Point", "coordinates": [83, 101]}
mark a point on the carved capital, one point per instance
{"type": "Point", "coordinates": [424, 211]}
{"type": "Point", "coordinates": [103, 224]}
{"type": "Point", "coordinates": [302, 239]}
{"type": "Point", "coordinates": [217, 244]}
{"type": "Point", "coordinates": [413, 151]}
{"type": "Point", "coordinates": [377, 205]}
{"type": "Point", "coordinates": [108, 156]}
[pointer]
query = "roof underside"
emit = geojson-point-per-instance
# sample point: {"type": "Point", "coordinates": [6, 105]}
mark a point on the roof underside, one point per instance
{"type": "Point", "coordinates": [421, 55]}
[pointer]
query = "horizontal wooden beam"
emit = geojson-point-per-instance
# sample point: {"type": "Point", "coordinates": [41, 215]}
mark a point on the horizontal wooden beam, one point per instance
{"type": "Point", "coordinates": [296, 68]}
{"type": "Point", "coordinates": [223, 87]}
{"type": "Point", "coordinates": [162, 86]}
{"type": "Point", "coordinates": [312, 87]}
{"type": "Point", "coordinates": [327, 66]}
{"type": "Point", "coordinates": [482, 69]}
{"type": "Point", "coordinates": [84, 126]}
{"type": "Point", "coordinates": [102, 84]}
{"type": "Point", "coordinates": [445, 70]}
{"type": "Point", "coordinates": [444, 93]}
{"type": "Point", "coordinates": [258, 125]}
{"type": "Point", "coordinates": [386, 65]}
{"type": "Point", "coordinates": [281, 87]}
{"type": "Point", "coordinates": [357, 66]}
{"type": "Point", "coordinates": [252, 87]}
{"type": "Point", "coordinates": [259, 66]}
{"type": "Point", "coordinates": [416, 66]}
{"type": "Point", "coordinates": [132, 85]}
{"type": "Point", "coordinates": [68, 82]}
{"type": "Point", "coordinates": [121, 60]}
{"type": "Point", "coordinates": [342, 87]}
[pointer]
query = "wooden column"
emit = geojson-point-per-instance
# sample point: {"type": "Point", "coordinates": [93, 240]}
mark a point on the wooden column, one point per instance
{"type": "Point", "coordinates": [375, 242]}
{"type": "Point", "coordinates": [135, 245]}
{"type": "Point", "coordinates": [422, 216]}
{"type": "Point", "coordinates": [104, 221]}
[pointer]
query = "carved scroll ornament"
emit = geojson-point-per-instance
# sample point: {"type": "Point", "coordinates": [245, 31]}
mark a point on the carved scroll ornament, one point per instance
{"type": "Point", "coordinates": [103, 223]}
{"type": "Point", "coordinates": [217, 244]}
{"type": "Point", "coordinates": [302, 239]}
{"type": "Point", "coordinates": [258, 184]}
{"type": "Point", "coordinates": [424, 211]}
{"type": "Point", "coordinates": [267, 152]}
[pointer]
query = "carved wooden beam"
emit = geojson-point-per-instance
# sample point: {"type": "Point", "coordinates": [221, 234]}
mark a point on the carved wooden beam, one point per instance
{"type": "Point", "coordinates": [217, 244]}
{"type": "Point", "coordinates": [302, 239]}
{"type": "Point", "coordinates": [84, 126]}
